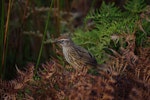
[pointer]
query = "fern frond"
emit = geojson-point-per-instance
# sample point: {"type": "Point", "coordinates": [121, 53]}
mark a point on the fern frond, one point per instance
{"type": "Point", "coordinates": [106, 14]}
{"type": "Point", "coordinates": [135, 6]}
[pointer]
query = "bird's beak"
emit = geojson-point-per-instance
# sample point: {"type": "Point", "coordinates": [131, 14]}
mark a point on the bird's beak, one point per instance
{"type": "Point", "coordinates": [56, 41]}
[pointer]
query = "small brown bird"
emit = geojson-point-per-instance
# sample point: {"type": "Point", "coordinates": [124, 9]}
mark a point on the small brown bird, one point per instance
{"type": "Point", "coordinates": [75, 55]}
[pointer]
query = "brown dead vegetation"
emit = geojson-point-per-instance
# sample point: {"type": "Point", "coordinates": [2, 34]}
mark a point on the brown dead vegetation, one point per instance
{"type": "Point", "coordinates": [127, 78]}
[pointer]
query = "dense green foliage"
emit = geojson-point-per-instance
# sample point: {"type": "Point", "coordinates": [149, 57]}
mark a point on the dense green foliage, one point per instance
{"type": "Point", "coordinates": [110, 20]}
{"type": "Point", "coordinates": [135, 6]}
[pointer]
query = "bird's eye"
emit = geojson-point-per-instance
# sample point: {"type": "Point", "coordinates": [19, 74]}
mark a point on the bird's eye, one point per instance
{"type": "Point", "coordinates": [62, 41]}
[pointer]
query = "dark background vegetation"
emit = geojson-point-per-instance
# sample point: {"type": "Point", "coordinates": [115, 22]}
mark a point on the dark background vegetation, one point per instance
{"type": "Point", "coordinates": [116, 32]}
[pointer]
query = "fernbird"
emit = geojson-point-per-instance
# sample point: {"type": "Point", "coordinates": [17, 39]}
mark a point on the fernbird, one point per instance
{"type": "Point", "coordinates": [75, 55]}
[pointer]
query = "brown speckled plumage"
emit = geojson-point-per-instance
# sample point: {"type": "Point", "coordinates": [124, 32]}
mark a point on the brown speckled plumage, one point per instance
{"type": "Point", "coordinates": [75, 55]}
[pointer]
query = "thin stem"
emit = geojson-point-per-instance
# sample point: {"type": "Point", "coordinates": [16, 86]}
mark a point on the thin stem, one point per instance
{"type": "Point", "coordinates": [2, 34]}
{"type": "Point", "coordinates": [6, 35]}
{"type": "Point", "coordinates": [45, 31]}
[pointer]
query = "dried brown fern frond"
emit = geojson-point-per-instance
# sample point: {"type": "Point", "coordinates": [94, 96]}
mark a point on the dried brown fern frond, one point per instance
{"type": "Point", "coordinates": [141, 71]}
{"type": "Point", "coordinates": [143, 75]}
{"type": "Point", "coordinates": [144, 58]}
{"type": "Point", "coordinates": [48, 70]}
{"type": "Point", "coordinates": [135, 94]}
{"type": "Point", "coordinates": [127, 53]}
{"type": "Point", "coordinates": [26, 75]}
{"type": "Point", "coordinates": [45, 83]}
{"type": "Point", "coordinates": [117, 66]}
{"type": "Point", "coordinates": [11, 87]}
{"type": "Point", "coordinates": [109, 90]}
{"type": "Point", "coordinates": [87, 87]}
{"type": "Point", "coordinates": [138, 93]}
{"type": "Point", "coordinates": [117, 83]}
{"type": "Point", "coordinates": [8, 96]}
{"type": "Point", "coordinates": [138, 60]}
{"type": "Point", "coordinates": [22, 78]}
{"type": "Point", "coordinates": [115, 80]}
{"type": "Point", "coordinates": [141, 82]}
{"type": "Point", "coordinates": [137, 71]}
{"type": "Point", "coordinates": [84, 89]}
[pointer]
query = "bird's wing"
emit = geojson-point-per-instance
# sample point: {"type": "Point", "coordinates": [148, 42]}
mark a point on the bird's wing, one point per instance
{"type": "Point", "coordinates": [85, 56]}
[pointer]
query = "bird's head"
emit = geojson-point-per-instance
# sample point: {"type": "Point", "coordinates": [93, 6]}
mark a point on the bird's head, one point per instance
{"type": "Point", "coordinates": [64, 41]}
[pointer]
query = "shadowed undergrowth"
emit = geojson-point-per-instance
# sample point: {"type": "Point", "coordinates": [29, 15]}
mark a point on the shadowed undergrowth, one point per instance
{"type": "Point", "coordinates": [127, 77]}
{"type": "Point", "coordinates": [119, 38]}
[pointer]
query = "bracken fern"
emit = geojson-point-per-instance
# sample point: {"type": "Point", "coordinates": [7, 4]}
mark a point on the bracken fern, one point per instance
{"type": "Point", "coordinates": [109, 20]}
